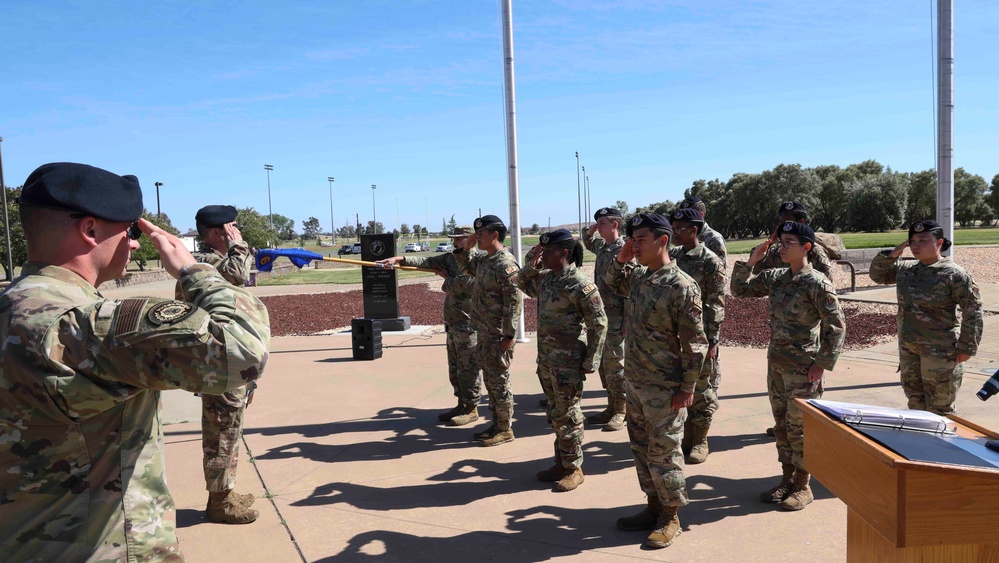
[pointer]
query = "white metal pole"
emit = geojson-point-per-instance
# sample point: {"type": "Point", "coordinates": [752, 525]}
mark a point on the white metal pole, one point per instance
{"type": "Point", "coordinates": [511, 141]}
{"type": "Point", "coordinates": [945, 118]}
{"type": "Point", "coordinates": [332, 220]}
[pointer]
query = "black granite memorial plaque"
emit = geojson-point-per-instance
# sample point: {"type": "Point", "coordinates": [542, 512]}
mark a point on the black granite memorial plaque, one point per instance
{"type": "Point", "coordinates": [380, 286]}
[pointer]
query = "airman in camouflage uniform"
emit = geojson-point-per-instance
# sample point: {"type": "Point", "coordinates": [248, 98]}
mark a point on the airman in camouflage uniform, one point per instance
{"type": "Point", "coordinates": [222, 247]}
{"type": "Point", "coordinates": [81, 448]}
{"type": "Point", "coordinates": [819, 257]}
{"type": "Point", "coordinates": [932, 344]}
{"type": "Point", "coordinates": [463, 366]}
{"type": "Point", "coordinates": [807, 328]}
{"type": "Point", "coordinates": [710, 237]}
{"type": "Point", "coordinates": [602, 239]}
{"type": "Point", "coordinates": [567, 300]}
{"type": "Point", "coordinates": [496, 310]}
{"type": "Point", "coordinates": [708, 271]}
{"type": "Point", "coordinates": [665, 342]}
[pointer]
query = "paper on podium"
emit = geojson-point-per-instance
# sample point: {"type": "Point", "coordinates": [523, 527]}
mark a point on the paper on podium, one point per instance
{"type": "Point", "coordinates": [900, 419]}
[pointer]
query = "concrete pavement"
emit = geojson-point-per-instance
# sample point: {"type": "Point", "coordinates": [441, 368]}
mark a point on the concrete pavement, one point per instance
{"type": "Point", "coordinates": [350, 464]}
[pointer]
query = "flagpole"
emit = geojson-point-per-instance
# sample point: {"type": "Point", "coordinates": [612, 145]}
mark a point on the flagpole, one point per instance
{"type": "Point", "coordinates": [511, 142]}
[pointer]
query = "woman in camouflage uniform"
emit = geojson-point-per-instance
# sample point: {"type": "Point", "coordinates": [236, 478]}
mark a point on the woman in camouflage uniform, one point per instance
{"type": "Point", "coordinates": [566, 300]}
{"type": "Point", "coordinates": [932, 345]}
{"type": "Point", "coordinates": [806, 336]}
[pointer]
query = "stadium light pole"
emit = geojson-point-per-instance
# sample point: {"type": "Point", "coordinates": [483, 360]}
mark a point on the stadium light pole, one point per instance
{"type": "Point", "coordinates": [579, 198]}
{"type": "Point", "coordinates": [270, 210]}
{"type": "Point", "coordinates": [583, 201]}
{"type": "Point", "coordinates": [158, 184]}
{"type": "Point", "coordinates": [332, 221]}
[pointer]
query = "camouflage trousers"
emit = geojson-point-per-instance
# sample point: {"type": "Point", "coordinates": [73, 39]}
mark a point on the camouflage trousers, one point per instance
{"type": "Point", "coordinates": [221, 430]}
{"type": "Point", "coordinates": [656, 429]}
{"type": "Point", "coordinates": [787, 381]}
{"type": "Point", "coordinates": [495, 364]}
{"type": "Point", "coordinates": [931, 376]}
{"type": "Point", "coordinates": [564, 388]}
{"type": "Point", "coordinates": [463, 365]}
{"type": "Point", "coordinates": [705, 395]}
{"type": "Point", "coordinates": [612, 361]}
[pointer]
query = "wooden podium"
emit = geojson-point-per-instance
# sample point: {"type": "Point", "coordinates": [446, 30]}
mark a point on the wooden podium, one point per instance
{"type": "Point", "coordinates": [901, 510]}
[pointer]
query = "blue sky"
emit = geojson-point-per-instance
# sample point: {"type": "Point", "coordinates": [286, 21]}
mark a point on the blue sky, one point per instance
{"type": "Point", "coordinates": [408, 95]}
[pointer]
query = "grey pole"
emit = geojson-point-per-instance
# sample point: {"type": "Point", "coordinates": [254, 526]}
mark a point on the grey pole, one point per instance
{"type": "Point", "coordinates": [510, 95]}
{"type": "Point", "coordinates": [332, 221]}
{"type": "Point", "coordinates": [374, 217]}
{"type": "Point", "coordinates": [583, 202]}
{"type": "Point", "coordinates": [9, 276]}
{"type": "Point", "coordinates": [579, 199]}
{"type": "Point", "coordinates": [945, 118]}
{"type": "Point", "coordinates": [270, 210]}
{"type": "Point", "coordinates": [158, 184]}
{"type": "Point", "coordinates": [589, 215]}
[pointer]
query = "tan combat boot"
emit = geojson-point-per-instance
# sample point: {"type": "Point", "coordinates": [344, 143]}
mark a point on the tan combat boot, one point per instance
{"type": "Point", "coordinates": [644, 520]}
{"type": "Point", "coordinates": [226, 508]}
{"type": "Point", "coordinates": [503, 432]}
{"type": "Point", "coordinates": [487, 433]}
{"type": "Point", "coordinates": [699, 445]}
{"type": "Point", "coordinates": [617, 420]}
{"type": "Point", "coordinates": [801, 493]}
{"type": "Point", "coordinates": [666, 530]}
{"type": "Point", "coordinates": [469, 413]}
{"type": "Point", "coordinates": [446, 416]}
{"type": "Point", "coordinates": [780, 492]}
{"type": "Point", "coordinates": [553, 473]}
{"type": "Point", "coordinates": [570, 481]}
{"type": "Point", "coordinates": [498, 437]}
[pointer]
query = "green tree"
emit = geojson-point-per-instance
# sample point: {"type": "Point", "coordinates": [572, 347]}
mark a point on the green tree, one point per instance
{"type": "Point", "coordinates": [969, 197]}
{"type": "Point", "coordinates": [877, 203]}
{"type": "Point", "coordinates": [922, 200]}
{"type": "Point", "coordinates": [284, 227]}
{"type": "Point", "coordinates": [255, 228]}
{"type": "Point", "coordinates": [347, 232]}
{"type": "Point", "coordinates": [404, 229]}
{"type": "Point", "coordinates": [310, 228]}
{"type": "Point", "coordinates": [992, 198]}
{"type": "Point", "coordinates": [374, 228]}
{"type": "Point", "coordinates": [451, 224]}
{"type": "Point", "coordinates": [147, 252]}
{"type": "Point", "coordinates": [417, 231]}
{"type": "Point", "coordinates": [18, 246]}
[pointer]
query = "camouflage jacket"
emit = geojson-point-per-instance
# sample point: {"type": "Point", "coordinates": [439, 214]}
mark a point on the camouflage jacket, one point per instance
{"type": "Point", "coordinates": [708, 271]}
{"type": "Point", "coordinates": [807, 325]}
{"type": "Point", "coordinates": [81, 448]}
{"type": "Point", "coordinates": [496, 301]}
{"type": "Point", "coordinates": [664, 335]}
{"type": "Point", "coordinates": [566, 300]}
{"type": "Point", "coordinates": [715, 243]}
{"type": "Point", "coordinates": [606, 255]}
{"type": "Point", "coordinates": [234, 266]}
{"type": "Point", "coordinates": [817, 259]}
{"type": "Point", "coordinates": [457, 287]}
{"type": "Point", "coordinates": [928, 297]}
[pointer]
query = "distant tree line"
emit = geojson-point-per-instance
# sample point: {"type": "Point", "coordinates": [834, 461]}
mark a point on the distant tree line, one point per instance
{"type": "Point", "coordinates": [861, 197]}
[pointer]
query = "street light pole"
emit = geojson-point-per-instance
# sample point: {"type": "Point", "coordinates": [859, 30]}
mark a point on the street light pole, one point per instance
{"type": "Point", "coordinates": [332, 221]}
{"type": "Point", "coordinates": [158, 184]}
{"type": "Point", "coordinates": [583, 201]}
{"type": "Point", "coordinates": [579, 198]}
{"type": "Point", "coordinates": [588, 214]}
{"type": "Point", "coordinates": [374, 217]}
{"type": "Point", "coordinates": [270, 210]}
{"type": "Point", "coordinates": [6, 222]}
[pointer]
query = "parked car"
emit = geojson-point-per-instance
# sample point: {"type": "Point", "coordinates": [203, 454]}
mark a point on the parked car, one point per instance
{"type": "Point", "coordinates": [425, 247]}
{"type": "Point", "coordinates": [345, 249]}
{"type": "Point", "coordinates": [445, 247]}
{"type": "Point", "coordinates": [356, 249]}
{"type": "Point", "coordinates": [413, 247]}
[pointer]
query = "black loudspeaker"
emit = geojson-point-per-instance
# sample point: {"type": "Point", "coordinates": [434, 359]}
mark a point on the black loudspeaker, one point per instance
{"type": "Point", "coordinates": [366, 338]}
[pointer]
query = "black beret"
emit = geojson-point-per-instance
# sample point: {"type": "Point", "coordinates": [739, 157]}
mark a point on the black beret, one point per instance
{"type": "Point", "coordinates": [792, 207]}
{"type": "Point", "coordinates": [215, 215]}
{"type": "Point", "coordinates": [556, 236]}
{"type": "Point", "coordinates": [607, 212]}
{"type": "Point", "coordinates": [487, 220]}
{"type": "Point", "coordinates": [690, 202]}
{"type": "Point", "coordinates": [689, 215]}
{"type": "Point", "coordinates": [84, 189]}
{"type": "Point", "coordinates": [801, 230]}
{"type": "Point", "coordinates": [648, 220]}
{"type": "Point", "coordinates": [927, 226]}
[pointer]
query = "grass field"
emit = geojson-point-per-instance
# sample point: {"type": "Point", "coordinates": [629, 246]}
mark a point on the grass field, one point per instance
{"type": "Point", "coordinates": [336, 275]}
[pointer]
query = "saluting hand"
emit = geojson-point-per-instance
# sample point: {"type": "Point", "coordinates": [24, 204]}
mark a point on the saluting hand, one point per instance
{"type": "Point", "coordinates": [627, 252]}
{"type": "Point", "coordinates": [760, 252]}
{"type": "Point", "coordinates": [173, 254]}
{"type": "Point", "coordinates": [592, 230]}
{"type": "Point", "coordinates": [470, 242]}
{"type": "Point", "coordinates": [537, 251]}
{"type": "Point", "coordinates": [899, 249]}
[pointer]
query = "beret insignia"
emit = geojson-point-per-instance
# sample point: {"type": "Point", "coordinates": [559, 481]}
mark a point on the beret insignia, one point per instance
{"type": "Point", "coordinates": [603, 211]}
{"type": "Point", "coordinates": [918, 227]}
{"type": "Point", "coordinates": [544, 238]}
{"type": "Point", "coordinates": [678, 214]}
{"type": "Point", "coordinates": [787, 226]}
{"type": "Point", "coordinates": [478, 223]}
{"type": "Point", "coordinates": [169, 312]}
{"type": "Point", "coordinates": [637, 220]}
{"type": "Point", "coordinates": [789, 205]}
